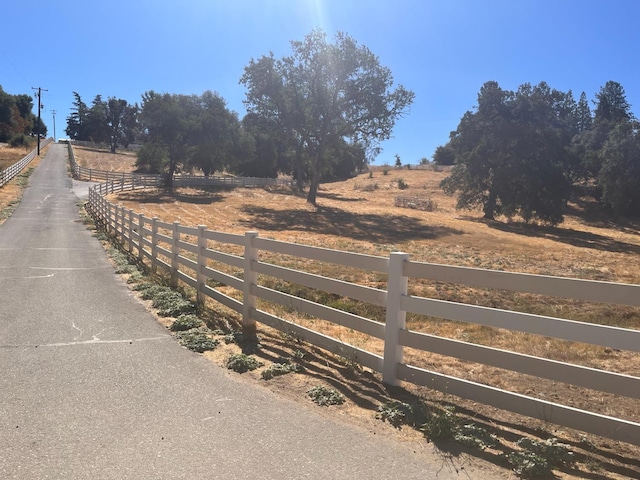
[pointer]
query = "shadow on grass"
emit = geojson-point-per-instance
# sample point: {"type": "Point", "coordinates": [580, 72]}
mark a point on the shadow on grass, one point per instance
{"type": "Point", "coordinates": [593, 214]}
{"type": "Point", "coordinates": [577, 238]}
{"type": "Point", "coordinates": [202, 197]}
{"type": "Point", "coordinates": [334, 221]}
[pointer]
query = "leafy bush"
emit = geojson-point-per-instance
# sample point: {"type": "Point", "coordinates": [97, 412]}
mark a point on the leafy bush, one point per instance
{"type": "Point", "coordinates": [325, 396]}
{"type": "Point", "coordinates": [537, 459]}
{"type": "Point", "coordinates": [19, 141]}
{"type": "Point", "coordinates": [402, 185]}
{"type": "Point", "coordinates": [185, 322]}
{"type": "Point", "coordinates": [197, 341]}
{"type": "Point", "coordinates": [446, 425]}
{"type": "Point", "coordinates": [150, 290]}
{"type": "Point", "coordinates": [135, 277]}
{"type": "Point", "coordinates": [441, 425]}
{"type": "Point", "coordinates": [400, 413]}
{"type": "Point", "coordinates": [242, 363]}
{"type": "Point", "coordinates": [172, 304]}
{"type": "Point", "coordinates": [278, 369]}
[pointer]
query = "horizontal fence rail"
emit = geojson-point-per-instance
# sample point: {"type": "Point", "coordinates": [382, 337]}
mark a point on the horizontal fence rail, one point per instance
{"type": "Point", "coordinates": [212, 262]}
{"type": "Point", "coordinates": [10, 172]}
{"type": "Point", "coordinates": [155, 180]}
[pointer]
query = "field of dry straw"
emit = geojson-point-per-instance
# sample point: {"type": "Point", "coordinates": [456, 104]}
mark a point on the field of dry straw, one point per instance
{"type": "Point", "coordinates": [359, 215]}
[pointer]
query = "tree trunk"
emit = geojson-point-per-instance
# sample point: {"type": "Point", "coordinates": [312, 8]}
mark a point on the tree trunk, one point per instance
{"type": "Point", "coordinates": [490, 207]}
{"type": "Point", "coordinates": [315, 179]}
{"type": "Point", "coordinates": [169, 179]}
{"type": "Point", "coordinates": [298, 170]}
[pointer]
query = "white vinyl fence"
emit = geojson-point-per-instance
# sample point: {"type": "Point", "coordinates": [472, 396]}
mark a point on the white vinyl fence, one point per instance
{"type": "Point", "coordinates": [195, 257]}
{"type": "Point", "coordinates": [151, 180]}
{"type": "Point", "coordinates": [9, 173]}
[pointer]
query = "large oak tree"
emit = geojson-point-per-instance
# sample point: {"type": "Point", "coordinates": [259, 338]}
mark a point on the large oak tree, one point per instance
{"type": "Point", "coordinates": [512, 155]}
{"type": "Point", "coordinates": [326, 97]}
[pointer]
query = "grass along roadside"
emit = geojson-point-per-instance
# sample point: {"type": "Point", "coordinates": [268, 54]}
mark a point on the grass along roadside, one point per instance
{"type": "Point", "coordinates": [11, 193]}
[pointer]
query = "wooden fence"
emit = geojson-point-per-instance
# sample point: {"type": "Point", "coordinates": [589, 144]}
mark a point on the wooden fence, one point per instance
{"type": "Point", "coordinates": [9, 173]}
{"type": "Point", "coordinates": [200, 258]}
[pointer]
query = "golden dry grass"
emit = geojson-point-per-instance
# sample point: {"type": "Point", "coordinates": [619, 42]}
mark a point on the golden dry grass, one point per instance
{"type": "Point", "coordinates": [359, 215]}
{"type": "Point", "coordinates": [11, 192]}
{"type": "Point", "coordinates": [11, 155]}
{"type": "Point", "coordinates": [99, 159]}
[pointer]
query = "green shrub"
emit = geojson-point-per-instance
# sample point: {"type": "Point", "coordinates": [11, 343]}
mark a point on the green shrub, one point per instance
{"type": "Point", "coordinates": [197, 341]}
{"type": "Point", "coordinates": [135, 277]}
{"type": "Point", "coordinates": [400, 413]}
{"type": "Point", "coordinates": [242, 363]}
{"type": "Point", "coordinates": [185, 322]}
{"type": "Point", "coordinates": [537, 459]}
{"type": "Point", "coordinates": [278, 369]}
{"type": "Point", "coordinates": [172, 304]}
{"type": "Point", "coordinates": [402, 185]}
{"type": "Point", "coordinates": [325, 396]}
{"type": "Point", "coordinates": [19, 140]}
{"type": "Point", "coordinates": [149, 290]}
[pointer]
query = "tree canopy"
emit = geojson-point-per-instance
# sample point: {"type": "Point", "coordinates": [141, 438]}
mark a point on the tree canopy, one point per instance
{"type": "Point", "coordinates": [112, 121]}
{"type": "Point", "coordinates": [525, 152]}
{"type": "Point", "coordinates": [16, 116]}
{"type": "Point", "coordinates": [325, 99]}
{"type": "Point", "coordinates": [188, 131]}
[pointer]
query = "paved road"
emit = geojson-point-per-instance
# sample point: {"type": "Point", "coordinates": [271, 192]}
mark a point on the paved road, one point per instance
{"type": "Point", "coordinates": [92, 387]}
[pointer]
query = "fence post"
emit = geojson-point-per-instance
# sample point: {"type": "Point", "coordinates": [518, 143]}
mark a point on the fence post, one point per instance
{"type": "Point", "coordinates": [115, 220]}
{"type": "Point", "coordinates": [202, 264]}
{"type": "Point", "coordinates": [130, 229]}
{"type": "Point", "coordinates": [396, 317]}
{"type": "Point", "coordinates": [249, 330]}
{"type": "Point", "coordinates": [140, 237]}
{"type": "Point", "coordinates": [154, 244]}
{"type": "Point", "coordinates": [108, 222]}
{"type": "Point", "coordinates": [175, 250]}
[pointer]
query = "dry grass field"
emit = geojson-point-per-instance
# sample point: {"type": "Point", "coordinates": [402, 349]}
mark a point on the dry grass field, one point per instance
{"type": "Point", "coordinates": [10, 155]}
{"type": "Point", "coordinates": [11, 192]}
{"type": "Point", "coordinates": [359, 215]}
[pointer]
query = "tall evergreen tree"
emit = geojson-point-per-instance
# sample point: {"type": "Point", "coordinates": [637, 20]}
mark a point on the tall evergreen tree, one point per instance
{"type": "Point", "coordinates": [77, 119]}
{"type": "Point", "coordinates": [584, 119]}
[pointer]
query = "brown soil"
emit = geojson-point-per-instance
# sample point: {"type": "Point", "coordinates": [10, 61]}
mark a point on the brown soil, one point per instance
{"type": "Point", "coordinates": [359, 215]}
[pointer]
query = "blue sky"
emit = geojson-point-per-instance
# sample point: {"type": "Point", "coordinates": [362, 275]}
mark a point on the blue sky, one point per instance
{"type": "Point", "coordinates": [443, 50]}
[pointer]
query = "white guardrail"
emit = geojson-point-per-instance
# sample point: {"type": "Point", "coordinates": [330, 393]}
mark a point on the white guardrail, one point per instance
{"type": "Point", "coordinates": [199, 257]}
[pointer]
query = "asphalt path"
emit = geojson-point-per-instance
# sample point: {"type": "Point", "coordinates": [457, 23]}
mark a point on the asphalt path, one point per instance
{"type": "Point", "coordinates": [93, 387]}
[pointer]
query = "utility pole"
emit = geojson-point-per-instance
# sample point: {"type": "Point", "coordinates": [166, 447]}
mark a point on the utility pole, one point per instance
{"type": "Point", "coordinates": [54, 125]}
{"type": "Point", "coordinates": [39, 107]}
